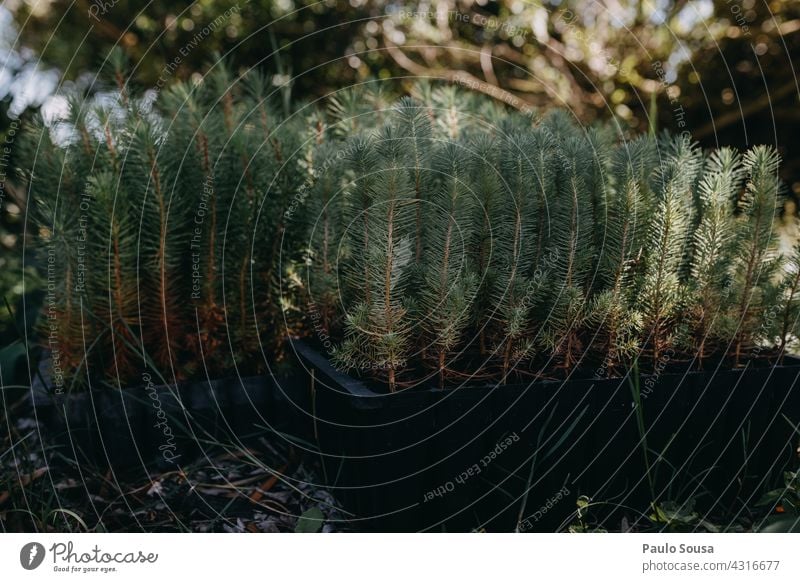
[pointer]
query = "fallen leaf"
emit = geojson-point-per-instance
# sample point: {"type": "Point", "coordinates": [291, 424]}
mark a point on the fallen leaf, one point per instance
{"type": "Point", "coordinates": [310, 521]}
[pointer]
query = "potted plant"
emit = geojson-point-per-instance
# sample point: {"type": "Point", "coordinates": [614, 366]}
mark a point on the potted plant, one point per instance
{"type": "Point", "coordinates": [507, 306]}
{"type": "Point", "coordinates": [163, 233]}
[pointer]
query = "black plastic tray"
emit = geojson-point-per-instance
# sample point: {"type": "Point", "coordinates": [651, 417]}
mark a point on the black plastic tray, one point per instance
{"type": "Point", "coordinates": [155, 426]}
{"type": "Point", "coordinates": [719, 437]}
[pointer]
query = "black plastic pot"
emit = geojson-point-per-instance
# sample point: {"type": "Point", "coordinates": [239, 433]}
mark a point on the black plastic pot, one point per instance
{"type": "Point", "coordinates": [155, 426]}
{"type": "Point", "coordinates": [427, 459]}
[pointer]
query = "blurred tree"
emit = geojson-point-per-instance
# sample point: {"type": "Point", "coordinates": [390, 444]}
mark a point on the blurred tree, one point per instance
{"type": "Point", "coordinates": [178, 38]}
{"type": "Point", "coordinates": [722, 70]}
{"type": "Point", "coordinates": [707, 64]}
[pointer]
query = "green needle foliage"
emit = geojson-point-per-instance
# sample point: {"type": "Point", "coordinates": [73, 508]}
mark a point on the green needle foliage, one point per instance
{"type": "Point", "coordinates": [516, 246]}
{"type": "Point", "coordinates": [663, 287]}
{"type": "Point", "coordinates": [614, 314]}
{"type": "Point", "coordinates": [378, 329]}
{"type": "Point", "coordinates": [327, 213]}
{"type": "Point", "coordinates": [485, 187]}
{"type": "Point", "coordinates": [449, 284]}
{"type": "Point", "coordinates": [547, 249]}
{"type": "Point", "coordinates": [755, 261]}
{"type": "Point", "coordinates": [440, 238]}
{"type": "Point", "coordinates": [168, 232]}
{"type": "Point", "coordinates": [713, 248]}
{"type": "Point", "coordinates": [414, 123]}
{"type": "Point", "coordinates": [571, 245]}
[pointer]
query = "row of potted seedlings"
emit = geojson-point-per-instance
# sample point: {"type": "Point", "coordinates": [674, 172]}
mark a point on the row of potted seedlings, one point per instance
{"type": "Point", "coordinates": [162, 233]}
{"type": "Point", "coordinates": [617, 303]}
{"type": "Point", "coordinates": [461, 274]}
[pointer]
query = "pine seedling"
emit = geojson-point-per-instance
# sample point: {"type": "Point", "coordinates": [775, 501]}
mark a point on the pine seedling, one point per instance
{"type": "Point", "coordinates": [713, 250]}
{"type": "Point", "coordinates": [222, 92]}
{"type": "Point", "coordinates": [377, 332]}
{"type": "Point", "coordinates": [626, 226]}
{"type": "Point", "coordinates": [380, 100]}
{"type": "Point", "coordinates": [542, 158]}
{"type": "Point", "coordinates": [277, 233]}
{"type": "Point", "coordinates": [755, 242]}
{"type": "Point", "coordinates": [485, 183]}
{"type": "Point", "coordinates": [163, 242]}
{"type": "Point", "coordinates": [208, 121]}
{"type": "Point", "coordinates": [449, 282]}
{"type": "Point", "coordinates": [489, 116]}
{"type": "Point", "coordinates": [599, 145]}
{"type": "Point", "coordinates": [55, 191]}
{"type": "Point", "coordinates": [516, 235]}
{"type": "Point", "coordinates": [247, 154]}
{"type": "Point", "coordinates": [414, 128]}
{"type": "Point", "coordinates": [327, 224]}
{"type": "Point", "coordinates": [106, 239]}
{"type": "Point", "coordinates": [267, 183]}
{"type": "Point", "coordinates": [279, 236]}
{"type": "Point", "coordinates": [361, 161]}
{"type": "Point", "coordinates": [113, 294]}
{"type": "Point", "coordinates": [662, 289]}
{"type": "Point", "coordinates": [118, 65]}
{"type": "Point", "coordinates": [559, 124]}
{"type": "Point", "coordinates": [572, 249]}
